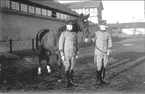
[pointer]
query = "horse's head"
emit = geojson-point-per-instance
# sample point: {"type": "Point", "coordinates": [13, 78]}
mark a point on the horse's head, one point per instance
{"type": "Point", "coordinates": [81, 24]}
{"type": "Point", "coordinates": [84, 24]}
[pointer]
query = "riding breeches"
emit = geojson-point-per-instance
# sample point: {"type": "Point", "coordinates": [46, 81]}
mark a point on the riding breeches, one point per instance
{"type": "Point", "coordinates": [100, 59]}
{"type": "Point", "coordinates": [69, 62]}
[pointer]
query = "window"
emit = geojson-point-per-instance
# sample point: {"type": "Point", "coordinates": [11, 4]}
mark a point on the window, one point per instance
{"type": "Point", "coordinates": [24, 7]}
{"type": "Point", "coordinates": [5, 3]}
{"type": "Point", "coordinates": [65, 17]}
{"type": "Point", "coordinates": [79, 11]}
{"type": "Point", "coordinates": [44, 12]}
{"type": "Point", "coordinates": [76, 10]}
{"type": "Point", "coordinates": [87, 11]}
{"type": "Point", "coordinates": [83, 11]}
{"type": "Point", "coordinates": [31, 9]}
{"type": "Point", "coordinates": [53, 14]}
{"type": "Point", "coordinates": [49, 13]}
{"type": "Point", "coordinates": [93, 12]}
{"type": "Point", "coordinates": [62, 16]}
{"type": "Point", "coordinates": [38, 10]}
{"type": "Point", "coordinates": [15, 5]}
{"type": "Point", "coordinates": [58, 15]}
{"type": "Point", "coordinates": [68, 17]}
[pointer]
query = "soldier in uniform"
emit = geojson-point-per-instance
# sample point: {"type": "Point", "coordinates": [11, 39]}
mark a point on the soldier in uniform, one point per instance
{"type": "Point", "coordinates": [103, 45]}
{"type": "Point", "coordinates": [68, 47]}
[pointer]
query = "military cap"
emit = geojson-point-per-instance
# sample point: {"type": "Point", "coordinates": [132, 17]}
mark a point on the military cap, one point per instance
{"type": "Point", "coordinates": [69, 22]}
{"type": "Point", "coordinates": [103, 22]}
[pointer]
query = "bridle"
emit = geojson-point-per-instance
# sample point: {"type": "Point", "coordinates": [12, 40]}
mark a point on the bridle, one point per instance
{"type": "Point", "coordinates": [84, 26]}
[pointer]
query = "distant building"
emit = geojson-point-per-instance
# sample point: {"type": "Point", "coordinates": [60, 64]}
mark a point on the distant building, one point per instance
{"type": "Point", "coordinates": [94, 8]}
{"type": "Point", "coordinates": [133, 28]}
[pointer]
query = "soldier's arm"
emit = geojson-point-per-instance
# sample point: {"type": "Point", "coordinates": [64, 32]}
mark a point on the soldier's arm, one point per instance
{"type": "Point", "coordinates": [77, 44]}
{"type": "Point", "coordinates": [109, 41]}
{"type": "Point", "coordinates": [61, 44]}
{"type": "Point", "coordinates": [93, 39]}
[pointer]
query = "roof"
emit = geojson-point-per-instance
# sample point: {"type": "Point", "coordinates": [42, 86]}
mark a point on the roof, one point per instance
{"type": "Point", "coordinates": [128, 25]}
{"type": "Point", "coordinates": [86, 4]}
{"type": "Point", "coordinates": [56, 6]}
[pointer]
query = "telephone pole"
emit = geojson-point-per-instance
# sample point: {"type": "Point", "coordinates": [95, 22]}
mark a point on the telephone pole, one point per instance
{"type": "Point", "coordinates": [144, 20]}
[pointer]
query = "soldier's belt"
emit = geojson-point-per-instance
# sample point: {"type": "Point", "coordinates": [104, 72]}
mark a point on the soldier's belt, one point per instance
{"type": "Point", "coordinates": [100, 50]}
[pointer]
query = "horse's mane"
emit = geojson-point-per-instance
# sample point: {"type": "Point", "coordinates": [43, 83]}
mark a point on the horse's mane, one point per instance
{"type": "Point", "coordinates": [76, 27]}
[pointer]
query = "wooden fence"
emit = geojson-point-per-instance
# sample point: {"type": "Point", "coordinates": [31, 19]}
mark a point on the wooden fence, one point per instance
{"type": "Point", "coordinates": [11, 45]}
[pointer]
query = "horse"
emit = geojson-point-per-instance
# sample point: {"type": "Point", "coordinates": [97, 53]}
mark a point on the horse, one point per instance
{"type": "Point", "coordinates": [47, 41]}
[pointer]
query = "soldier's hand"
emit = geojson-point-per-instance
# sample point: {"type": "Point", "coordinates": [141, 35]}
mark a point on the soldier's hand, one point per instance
{"type": "Point", "coordinates": [86, 40]}
{"type": "Point", "coordinates": [77, 56]}
{"type": "Point", "coordinates": [63, 58]}
{"type": "Point", "coordinates": [109, 52]}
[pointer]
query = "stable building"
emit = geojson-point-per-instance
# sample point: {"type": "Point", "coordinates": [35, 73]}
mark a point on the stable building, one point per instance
{"type": "Point", "coordinates": [22, 19]}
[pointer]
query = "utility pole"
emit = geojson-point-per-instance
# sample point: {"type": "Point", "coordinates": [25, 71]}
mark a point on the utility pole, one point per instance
{"type": "Point", "coordinates": [144, 20]}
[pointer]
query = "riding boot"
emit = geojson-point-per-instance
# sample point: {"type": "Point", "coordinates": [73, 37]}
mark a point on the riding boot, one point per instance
{"type": "Point", "coordinates": [68, 83]}
{"type": "Point", "coordinates": [71, 78]}
{"type": "Point", "coordinates": [103, 81]}
{"type": "Point", "coordinates": [98, 74]}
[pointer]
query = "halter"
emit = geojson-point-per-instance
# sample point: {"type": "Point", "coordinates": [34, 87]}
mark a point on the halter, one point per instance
{"type": "Point", "coordinates": [83, 27]}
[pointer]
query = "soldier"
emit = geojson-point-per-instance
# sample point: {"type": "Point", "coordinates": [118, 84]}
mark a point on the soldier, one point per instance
{"type": "Point", "coordinates": [103, 45]}
{"type": "Point", "coordinates": [68, 47]}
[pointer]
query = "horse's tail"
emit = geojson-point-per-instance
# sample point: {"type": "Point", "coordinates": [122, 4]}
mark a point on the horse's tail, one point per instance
{"type": "Point", "coordinates": [39, 37]}
{"type": "Point", "coordinates": [37, 40]}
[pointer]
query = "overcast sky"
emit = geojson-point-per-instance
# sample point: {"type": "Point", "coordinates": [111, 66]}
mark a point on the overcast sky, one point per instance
{"type": "Point", "coordinates": [121, 11]}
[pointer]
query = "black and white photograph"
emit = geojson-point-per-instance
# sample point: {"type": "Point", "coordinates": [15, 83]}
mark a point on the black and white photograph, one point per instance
{"type": "Point", "coordinates": [72, 46]}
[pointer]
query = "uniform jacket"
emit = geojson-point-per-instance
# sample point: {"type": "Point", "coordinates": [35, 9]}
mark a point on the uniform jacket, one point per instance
{"type": "Point", "coordinates": [103, 41]}
{"type": "Point", "coordinates": [68, 44]}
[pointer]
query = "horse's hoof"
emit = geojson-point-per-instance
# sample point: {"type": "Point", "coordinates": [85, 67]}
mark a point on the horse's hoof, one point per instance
{"type": "Point", "coordinates": [48, 69]}
{"type": "Point", "coordinates": [39, 74]}
{"type": "Point", "coordinates": [5, 82]}
{"type": "Point", "coordinates": [39, 71]}
{"type": "Point", "coordinates": [59, 80]}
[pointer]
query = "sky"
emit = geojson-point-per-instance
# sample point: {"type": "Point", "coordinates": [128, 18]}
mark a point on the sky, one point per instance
{"type": "Point", "coordinates": [122, 11]}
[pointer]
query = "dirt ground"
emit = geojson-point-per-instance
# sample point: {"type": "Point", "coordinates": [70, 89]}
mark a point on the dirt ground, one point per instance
{"type": "Point", "coordinates": [125, 71]}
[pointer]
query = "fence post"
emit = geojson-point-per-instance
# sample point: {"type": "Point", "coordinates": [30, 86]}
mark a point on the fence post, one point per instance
{"type": "Point", "coordinates": [10, 45]}
{"type": "Point", "coordinates": [32, 44]}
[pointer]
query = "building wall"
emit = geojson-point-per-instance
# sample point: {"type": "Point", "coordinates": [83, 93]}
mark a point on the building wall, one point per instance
{"type": "Point", "coordinates": [0, 26]}
{"type": "Point", "coordinates": [99, 15]}
{"type": "Point", "coordinates": [13, 26]}
{"type": "Point", "coordinates": [23, 19]}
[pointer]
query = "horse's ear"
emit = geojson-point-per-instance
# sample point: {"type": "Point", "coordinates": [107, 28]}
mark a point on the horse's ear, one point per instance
{"type": "Point", "coordinates": [87, 16]}
{"type": "Point", "coordinates": [81, 15]}
{"type": "Point", "coordinates": [84, 16]}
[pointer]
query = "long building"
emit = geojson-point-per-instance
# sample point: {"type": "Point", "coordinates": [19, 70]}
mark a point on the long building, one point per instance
{"type": "Point", "coordinates": [22, 19]}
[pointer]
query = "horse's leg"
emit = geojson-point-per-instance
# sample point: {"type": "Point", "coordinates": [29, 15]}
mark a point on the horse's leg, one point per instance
{"type": "Point", "coordinates": [48, 54]}
{"type": "Point", "coordinates": [41, 60]}
{"type": "Point", "coordinates": [40, 56]}
{"type": "Point", "coordinates": [59, 63]}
